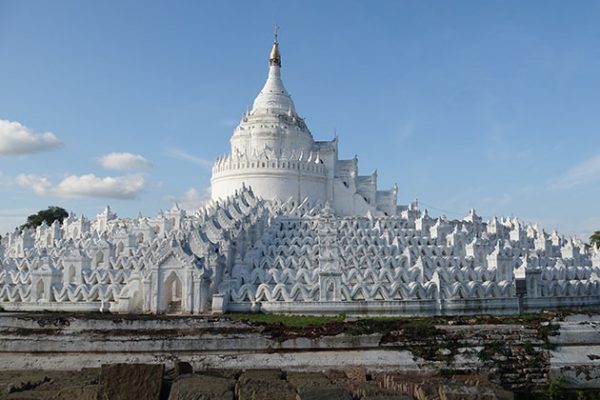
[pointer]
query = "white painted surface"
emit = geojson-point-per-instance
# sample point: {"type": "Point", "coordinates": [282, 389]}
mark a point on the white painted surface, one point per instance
{"type": "Point", "coordinates": [282, 201]}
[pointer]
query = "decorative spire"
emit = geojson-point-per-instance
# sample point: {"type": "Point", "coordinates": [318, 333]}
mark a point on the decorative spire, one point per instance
{"type": "Point", "coordinates": [275, 57]}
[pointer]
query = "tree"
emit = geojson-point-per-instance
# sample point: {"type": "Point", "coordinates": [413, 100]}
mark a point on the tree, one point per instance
{"type": "Point", "coordinates": [49, 215]}
{"type": "Point", "coordinates": [595, 239]}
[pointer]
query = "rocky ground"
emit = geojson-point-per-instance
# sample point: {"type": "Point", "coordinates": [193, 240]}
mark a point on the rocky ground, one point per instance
{"type": "Point", "coordinates": [64, 356]}
{"type": "Point", "coordinates": [152, 381]}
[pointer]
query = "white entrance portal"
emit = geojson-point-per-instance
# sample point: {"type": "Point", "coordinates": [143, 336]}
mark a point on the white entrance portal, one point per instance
{"type": "Point", "coordinates": [172, 294]}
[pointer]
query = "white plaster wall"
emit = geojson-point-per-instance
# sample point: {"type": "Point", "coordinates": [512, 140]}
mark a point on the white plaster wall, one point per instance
{"type": "Point", "coordinates": [271, 184]}
{"type": "Point", "coordinates": [271, 136]}
{"type": "Point", "coordinates": [347, 202]}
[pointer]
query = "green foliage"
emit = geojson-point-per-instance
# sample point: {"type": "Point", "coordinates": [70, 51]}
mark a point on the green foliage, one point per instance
{"type": "Point", "coordinates": [531, 319]}
{"type": "Point", "coordinates": [595, 239]}
{"type": "Point", "coordinates": [587, 395]}
{"type": "Point", "coordinates": [491, 349]}
{"type": "Point", "coordinates": [49, 215]}
{"type": "Point", "coordinates": [528, 347]}
{"type": "Point", "coordinates": [545, 331]}
{"type": "Point", "coordinates": [420, 328]}
{"type": "Point", "coordinates": [296, 321]}
{"type": "Point", "coordinates": [556, 388]}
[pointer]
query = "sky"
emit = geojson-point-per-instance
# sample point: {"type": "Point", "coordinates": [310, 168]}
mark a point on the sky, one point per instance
{"type": "Point", "coordinates": [491, 105]}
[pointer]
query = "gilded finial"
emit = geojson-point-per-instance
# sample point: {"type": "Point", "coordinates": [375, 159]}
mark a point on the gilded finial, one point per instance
{"type": "Point", "coordinates": [275, 57]}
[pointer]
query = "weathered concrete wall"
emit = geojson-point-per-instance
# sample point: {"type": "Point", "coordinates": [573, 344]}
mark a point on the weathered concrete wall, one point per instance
{"type": "Point", "coordinates": [577, 352]}
{"type": "Point", "coordinates": [517, 354]}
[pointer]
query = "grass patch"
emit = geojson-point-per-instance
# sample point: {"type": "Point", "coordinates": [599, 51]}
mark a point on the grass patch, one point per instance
{"type": "Point", "coordinates": [414, 327]}
{"type": "Point", "coordinates": [555, 388]}
{"type": "Point", "coordinates": [421, 328]}
{"type": "Point", "coordinates": [292, 321]}
{"type": "Point", "coordinates": [525, 319]}
{"type": "Point", "coordinates": [547, 330]}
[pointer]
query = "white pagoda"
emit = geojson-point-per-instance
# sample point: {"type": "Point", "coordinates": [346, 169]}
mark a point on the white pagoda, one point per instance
{"type": "Point", "coordinates": [273, 151]}
{"type": "Point", "coordinates": [293, 229]}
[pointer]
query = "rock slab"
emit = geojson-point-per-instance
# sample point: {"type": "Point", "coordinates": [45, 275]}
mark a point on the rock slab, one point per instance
{"type": "Point", "coordinates": [264, 385]}
{"type": "Point", "coordinates": [130, 381]}
{"type": "Point", "coordinates": [202, 387]}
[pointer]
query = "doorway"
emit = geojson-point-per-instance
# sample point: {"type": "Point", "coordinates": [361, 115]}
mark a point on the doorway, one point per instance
{"type": "Point", "coordinates": [172, 297]}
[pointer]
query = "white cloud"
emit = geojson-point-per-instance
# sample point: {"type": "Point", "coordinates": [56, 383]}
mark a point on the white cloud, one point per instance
{"type": "Point", "coordinates": [583, 173]}
{"type": "Point", "coordinates": [16, 139]}
{"type": "Point", "coordinates": [124, 161]}
{"type": "Point", "coordinates": [40, 185]}
{"type": "Point", "coordinates": [192, 199]}
{"type": "Point", "coordinates": [89, 185]}
{"type": "Point", "coordinates": [182, 155]}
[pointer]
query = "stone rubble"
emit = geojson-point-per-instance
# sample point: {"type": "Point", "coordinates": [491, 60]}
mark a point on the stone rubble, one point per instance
{"type": "Point", "coordinates": [243, 385]}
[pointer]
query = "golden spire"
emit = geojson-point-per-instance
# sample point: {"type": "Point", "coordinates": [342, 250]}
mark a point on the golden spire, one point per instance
{"type": "Point", "coordinates": [275, 57]}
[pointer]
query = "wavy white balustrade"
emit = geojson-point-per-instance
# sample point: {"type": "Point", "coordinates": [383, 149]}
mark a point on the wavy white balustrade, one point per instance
{"type": "Point", "coordinates": [253, 252]}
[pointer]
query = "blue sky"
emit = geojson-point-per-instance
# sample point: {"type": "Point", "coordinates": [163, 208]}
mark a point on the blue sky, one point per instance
{"type": "Point", "coordinates": [492, 105]}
